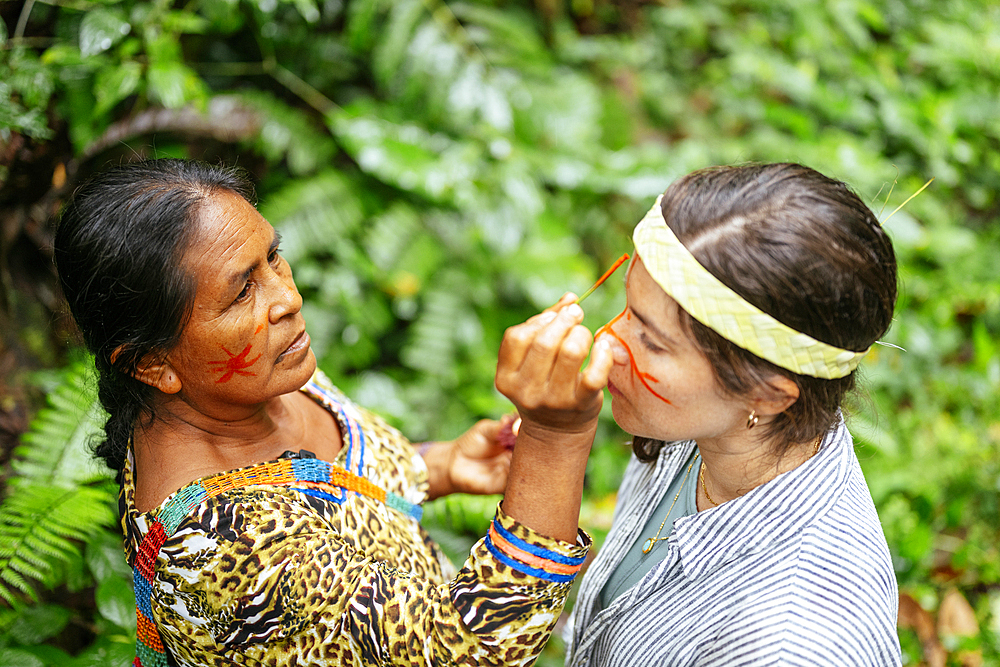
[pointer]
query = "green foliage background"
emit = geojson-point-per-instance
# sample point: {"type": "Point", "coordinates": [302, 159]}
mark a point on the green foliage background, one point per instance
{"type": "Point", "coordinates": [442, 170]}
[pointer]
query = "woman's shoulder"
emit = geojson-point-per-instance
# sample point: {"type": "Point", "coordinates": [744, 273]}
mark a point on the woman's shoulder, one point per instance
{"type": "Point", "coordinates": [322, 390]}
{"type": "Point", "coordinates": [372, 447]}
{"type": "Point", "coordinates": [850, 536]}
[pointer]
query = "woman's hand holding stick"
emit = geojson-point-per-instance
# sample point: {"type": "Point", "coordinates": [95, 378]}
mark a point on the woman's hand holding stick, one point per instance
{"type": "Point", "coordinates": [539, 370]}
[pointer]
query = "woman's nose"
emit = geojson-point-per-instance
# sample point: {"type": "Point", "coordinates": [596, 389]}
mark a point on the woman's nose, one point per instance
{"type": "Point", "coordinates": [287, 300]}
{"type": "Point", "coordinates": [618, 350]}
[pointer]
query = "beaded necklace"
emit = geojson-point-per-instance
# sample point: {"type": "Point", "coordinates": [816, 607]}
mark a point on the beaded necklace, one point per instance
{"type": "Point", "coordinates": [293, 472]}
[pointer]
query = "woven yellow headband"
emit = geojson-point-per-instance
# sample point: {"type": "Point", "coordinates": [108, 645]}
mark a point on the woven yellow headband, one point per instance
{"type": "Point", "coordinates": [721, 309]}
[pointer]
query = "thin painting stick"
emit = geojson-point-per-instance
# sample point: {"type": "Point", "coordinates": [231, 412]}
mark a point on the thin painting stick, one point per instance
{"type": "Point", "coordinates": [607, 274]}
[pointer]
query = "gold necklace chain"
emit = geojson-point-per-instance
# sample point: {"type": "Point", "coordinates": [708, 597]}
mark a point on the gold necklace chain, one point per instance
{"type": "Point", "coordinates": [651, 542]}
{"type": "Point", "coordinates": [701, 473]}
{"type": "Point", "coordinates": [701, 476]}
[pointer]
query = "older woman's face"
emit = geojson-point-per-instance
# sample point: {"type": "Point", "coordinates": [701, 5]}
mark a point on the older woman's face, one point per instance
{"type": "Point", "coordinates": [246, 340]}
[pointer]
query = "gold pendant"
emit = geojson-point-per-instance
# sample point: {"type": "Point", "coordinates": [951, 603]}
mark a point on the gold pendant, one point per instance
{"type": "Point", "coordinates": [648, 546]}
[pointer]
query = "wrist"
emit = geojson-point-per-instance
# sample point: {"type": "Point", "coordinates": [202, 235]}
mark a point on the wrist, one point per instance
{"type": "Point", "coordinates": [578, 436]}
{"type": "Point", "coordinates": [545, 485]}
{"type": "Point", "coordinates": [437, 457]}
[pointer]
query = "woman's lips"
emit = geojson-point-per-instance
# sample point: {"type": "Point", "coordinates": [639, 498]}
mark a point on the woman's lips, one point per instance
{"type": "Point", "coordinates": [613, 389]}
{"type": "Point", "coordinates": [301, 342]}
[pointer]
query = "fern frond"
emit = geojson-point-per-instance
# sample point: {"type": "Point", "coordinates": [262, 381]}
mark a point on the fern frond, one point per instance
{"type": "Point", "coordinates": [11, 577]}
{"type": "Point", "coordinates": [37, 527]}
{"type": "Point", "coordinates": [432, 344]}
{"type": "Point", "coordinates": [390, 235]}
{"type": "Point", "coordinates": [49, 508]}
{"type": "Point", "coordinates": [317, 212]}
{"type": "Point", "coordinates": [50, 543]}
{"type": "Point", "coordinates": [55, 451]}
{"type": "Point", "coordinates": [27, 565]}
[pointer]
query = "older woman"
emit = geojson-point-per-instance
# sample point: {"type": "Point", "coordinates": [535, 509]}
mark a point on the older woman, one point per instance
{"type": "Point", "coordinates": [268, 519]}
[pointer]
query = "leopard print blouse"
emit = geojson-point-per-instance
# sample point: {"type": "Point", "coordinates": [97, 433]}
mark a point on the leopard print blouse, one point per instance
{"type": "Point", "coordinates": [269, 566]}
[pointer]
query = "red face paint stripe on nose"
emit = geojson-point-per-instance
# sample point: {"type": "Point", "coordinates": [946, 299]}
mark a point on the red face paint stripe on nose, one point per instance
{"type": "Point", "coordinates": [635, 368]}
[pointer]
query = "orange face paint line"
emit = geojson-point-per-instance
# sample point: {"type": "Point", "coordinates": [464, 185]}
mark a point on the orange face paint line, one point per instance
{"type": "Point", "coordinates": [260, 327]}
{"type": "Point", "coordinates": [234, 365]}
{"type": "Point", "coordinates": [607, 274]}
{"type": "Point", "coordinates": [644, 378]}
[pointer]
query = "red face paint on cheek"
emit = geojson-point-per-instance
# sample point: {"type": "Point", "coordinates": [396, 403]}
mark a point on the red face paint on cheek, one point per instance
{"type": "Point", "coordinates": [260, 328]}
{"type": "Point", "coordinates": [234, 365]}
{"type": "Point", "coordinates": [644, 378]}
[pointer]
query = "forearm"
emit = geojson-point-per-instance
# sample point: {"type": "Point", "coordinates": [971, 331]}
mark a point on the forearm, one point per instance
{"type": "Point", "coordinates": [545, 485]}
{"type": "Point", "coordinates": [538, 369]}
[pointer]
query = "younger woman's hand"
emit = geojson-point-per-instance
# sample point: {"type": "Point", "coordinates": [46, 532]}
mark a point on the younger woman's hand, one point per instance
{"type": "Point", "coordinates": [539, 370]}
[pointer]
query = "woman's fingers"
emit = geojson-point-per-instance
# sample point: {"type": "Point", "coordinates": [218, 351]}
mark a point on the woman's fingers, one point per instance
{"type": "Point", "coordinates": [540, 366]}
{"type": "Point", "coordinates": [517, 341]}
{"type": "Point", "coordinates": [595, 376]}
{"type": "Point", "coordinates": [480, 441]}
{"type": "Point", "coordinates": [548, 344]}
{"type": "Point", "coordinates": [565, 300]}
{"type": "Point", "coordinates": [566, 366]}
{"type": "Point", "coordinates": [528, 350]}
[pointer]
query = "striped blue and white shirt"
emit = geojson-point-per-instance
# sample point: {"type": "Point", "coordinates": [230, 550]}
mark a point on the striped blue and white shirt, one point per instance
{"type": "Point", "coordinates": [796, 572]}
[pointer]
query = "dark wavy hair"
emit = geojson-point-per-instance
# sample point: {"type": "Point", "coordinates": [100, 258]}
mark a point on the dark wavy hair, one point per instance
{"type": "Point", "coordinates": [803, 248]}
{"type": "Point", "coordinates": [118, 251]}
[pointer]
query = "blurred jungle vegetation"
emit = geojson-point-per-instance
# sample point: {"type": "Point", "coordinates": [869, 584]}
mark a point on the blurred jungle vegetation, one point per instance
{"type": "Point", "coordinates": [440, 170]}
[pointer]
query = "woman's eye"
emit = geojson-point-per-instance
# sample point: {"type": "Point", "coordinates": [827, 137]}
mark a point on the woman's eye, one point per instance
{"type": "Point", "coordinates": [244, 293]}
{"type": "Point", "coordinates": [274, 256]}
{"type": "Point", "coordinates": [649, 344]}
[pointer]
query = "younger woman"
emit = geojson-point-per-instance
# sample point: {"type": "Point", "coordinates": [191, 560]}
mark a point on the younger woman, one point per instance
{"type": "Point", "coordinates": [745, 533]}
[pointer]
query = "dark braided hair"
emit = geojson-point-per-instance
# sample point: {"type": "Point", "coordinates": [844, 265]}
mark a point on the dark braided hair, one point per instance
{"type": "Point", "coordinates": [803, 248]}
{"type": "Point", "coordinates": [118, 251]}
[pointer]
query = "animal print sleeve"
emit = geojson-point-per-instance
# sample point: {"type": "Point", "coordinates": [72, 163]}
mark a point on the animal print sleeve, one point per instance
{"type": "Point", "coordinates": [291, 588]}
{"type": "Point", "coordinates": [515, 580]}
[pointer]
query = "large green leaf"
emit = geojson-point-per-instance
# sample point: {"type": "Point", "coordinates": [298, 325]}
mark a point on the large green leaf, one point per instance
{"type": "Point", "coordinates": [114, 84]}
{"type": "Point", "coordinates": [407, 156]}
{"type": "Point", "coordinates": [12, 657]}
{"type": "Point", "coordinates": [101, 29]}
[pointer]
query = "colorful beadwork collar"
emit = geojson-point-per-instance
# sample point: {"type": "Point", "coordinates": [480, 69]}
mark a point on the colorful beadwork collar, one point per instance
{"type": "Point", "coordinates": [311, 476]}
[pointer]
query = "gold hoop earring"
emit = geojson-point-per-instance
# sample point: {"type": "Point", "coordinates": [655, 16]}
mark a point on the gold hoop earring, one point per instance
{"type": "Point", "coordinates": [752, 419]}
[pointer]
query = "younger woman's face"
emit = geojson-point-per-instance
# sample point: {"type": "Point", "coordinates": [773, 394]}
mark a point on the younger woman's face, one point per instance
{"type": "Point", "coordinates": [662, 386]}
